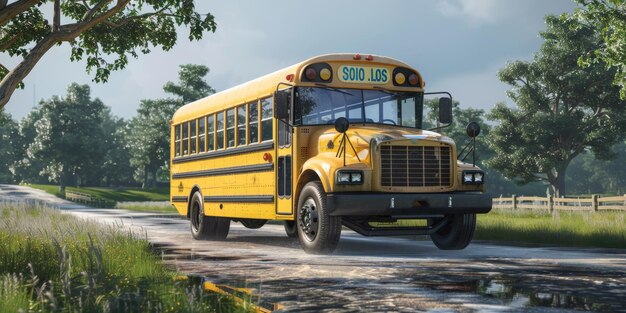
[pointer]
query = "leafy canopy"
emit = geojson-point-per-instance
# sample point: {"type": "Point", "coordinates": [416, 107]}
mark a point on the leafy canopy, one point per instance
{"type": "Point", "coordinates": [563, 109]}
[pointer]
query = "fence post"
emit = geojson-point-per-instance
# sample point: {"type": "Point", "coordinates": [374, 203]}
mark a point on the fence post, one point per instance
{"type": "Point", "coordinates": [551, 203]}
{"type": "Point", "coordinates": [594, 202]}
{"type": "Point", "coordinates": [514, 197]}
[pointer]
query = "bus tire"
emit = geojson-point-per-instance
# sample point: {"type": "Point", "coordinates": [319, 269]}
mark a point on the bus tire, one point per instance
{"type": "Point", "coordinates": [291, 229]}
{"type": "Point", "coordinates": [318, 231]}
{"type": "Point", "coordinates": [206, 227]}
{"type": "Point", "coordinates": [457, 234]}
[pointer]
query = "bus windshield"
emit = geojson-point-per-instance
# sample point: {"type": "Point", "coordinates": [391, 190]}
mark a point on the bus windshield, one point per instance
{"type": "Point", "coordinates": [322, 105]}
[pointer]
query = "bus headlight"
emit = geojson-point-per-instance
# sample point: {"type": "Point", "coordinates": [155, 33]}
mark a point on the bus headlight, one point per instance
{"type": "Point", "coordinates": [349, 177]}
{"type": "Point", "coordinates": [473, 177]}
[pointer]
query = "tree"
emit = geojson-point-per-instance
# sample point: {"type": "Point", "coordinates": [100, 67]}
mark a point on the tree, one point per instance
{"type": "Point", "coordinates": [69, 135]}
{"type": "Point", "coordinates": [609, 18]}
{"type": "Point", "coordinates": [588, 175]}
{"type": "Point", "coordinates": [149, 135]}
{"type": "Point", "coordinates": [8, 153]}
{"type": "Point", "coordinates": [563, 109]}
{"type": "Point", "coordinates": [105, 32]}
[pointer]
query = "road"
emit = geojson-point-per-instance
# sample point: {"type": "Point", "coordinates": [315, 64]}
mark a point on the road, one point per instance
{"type": "Point", "coordinates": [377, 274]}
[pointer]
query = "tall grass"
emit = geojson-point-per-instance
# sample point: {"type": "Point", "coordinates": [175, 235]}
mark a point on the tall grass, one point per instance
{"type": "Point", "coordinates": [54, 262]}
{"type": "Point", "coordinates": [576, 229]}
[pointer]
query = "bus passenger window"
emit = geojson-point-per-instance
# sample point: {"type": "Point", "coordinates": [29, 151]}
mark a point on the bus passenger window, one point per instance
{"type": "Point", "coordinates": [230, 128]}
{"type": "Point", "coordinates": [211, 129]}
{"type": "Point", "coordinates": [177, 140]}
{"type": "Point", "coordinates": [220, 130]}
{"type": "Point", "coordinates": [192, 137]}
{"type": "Point", "coordinates": [241, 125]}
{"type": "Point", "coordinates": [185, 138]}
{"type": "Point", "coordinates": [266, 119]}
{"type": "Point", "coordinates": [201, 135]}
{"type": "Point", "coordinates": [253, 123]}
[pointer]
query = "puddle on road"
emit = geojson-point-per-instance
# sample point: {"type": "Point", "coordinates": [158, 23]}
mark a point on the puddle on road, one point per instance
{"type": "Point", "coordinates": [513, 296]}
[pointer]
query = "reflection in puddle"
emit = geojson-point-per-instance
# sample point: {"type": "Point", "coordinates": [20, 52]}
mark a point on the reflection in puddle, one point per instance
{"type": "Point", "coordinates": [245, 296]}
{"type": "Point", "coordinates": [518, 298]}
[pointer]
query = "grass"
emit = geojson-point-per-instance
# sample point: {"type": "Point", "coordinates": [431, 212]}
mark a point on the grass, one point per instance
{"type": "Point", "coordinates": [574, 229]}
{"type": "Point", "coordinates": [54, 262]}
{"type": "Point", "coordinates": [113, 194]}
{"type": "Point", "coordinates": [152, 206]}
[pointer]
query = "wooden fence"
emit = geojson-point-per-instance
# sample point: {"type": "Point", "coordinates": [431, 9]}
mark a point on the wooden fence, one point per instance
{"type": "Point", "coordinates": [88, 199]}
{"type": "Point", "coordinates": [593, 203]}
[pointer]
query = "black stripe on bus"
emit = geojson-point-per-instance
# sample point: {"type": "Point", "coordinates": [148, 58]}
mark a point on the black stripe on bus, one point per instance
{"type": "Point", "coordinates": [179, 199]}
{"type": "Point", "coordinates": [230, 151]}
{"type": "Point", "coordinates": [257, 198]}
{"type": "Point", "coordinates": [226, 170]}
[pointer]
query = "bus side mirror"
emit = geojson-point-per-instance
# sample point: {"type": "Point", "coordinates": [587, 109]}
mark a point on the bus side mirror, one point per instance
{"type": "Point", "coordinates": [445, 110]}
{"type": "Point", "coordinates": [282, 104]}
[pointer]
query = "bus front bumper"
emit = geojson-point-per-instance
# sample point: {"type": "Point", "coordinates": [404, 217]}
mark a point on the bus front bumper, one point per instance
{"type": "Point", "coordinates": [406, 204]}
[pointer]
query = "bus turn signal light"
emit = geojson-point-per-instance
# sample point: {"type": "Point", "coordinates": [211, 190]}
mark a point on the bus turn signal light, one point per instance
{"type": "Point", "coordinates": [413, 80]}
{"type": "Point", "coordinates": [400, 79]}
{"type": "Point", "coordinates": [267, 157]}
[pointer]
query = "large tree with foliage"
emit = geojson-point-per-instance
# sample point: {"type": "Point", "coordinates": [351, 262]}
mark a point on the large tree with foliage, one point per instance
{"type": "Point", "coordinates": [69, 135]}
{"type": "Point", "coordinates": [562, 109]}
{"type": "Point", "coordinates": [609, 18]}
{"type": "Point", "coordinates": [149, 137]}
{"type": "Point", "coordinates": [104, 32]}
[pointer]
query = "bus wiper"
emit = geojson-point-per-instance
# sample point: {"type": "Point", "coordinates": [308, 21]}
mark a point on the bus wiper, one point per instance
{"type": "Point", "coordinates": [333, 89]}
{"type": "Point", "coordinates": [387, 91]}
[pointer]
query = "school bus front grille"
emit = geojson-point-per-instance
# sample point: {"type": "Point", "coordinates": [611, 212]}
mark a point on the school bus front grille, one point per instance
{"type": "Point", "coordinates": [415, 166]}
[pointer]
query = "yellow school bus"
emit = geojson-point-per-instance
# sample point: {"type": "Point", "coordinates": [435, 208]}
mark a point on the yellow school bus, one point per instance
{"type": "Point", "coordinates": [334, 140]}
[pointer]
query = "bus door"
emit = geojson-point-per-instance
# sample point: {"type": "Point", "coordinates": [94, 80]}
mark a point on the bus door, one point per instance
{"type": "Point", "coordinates": [284, 161]}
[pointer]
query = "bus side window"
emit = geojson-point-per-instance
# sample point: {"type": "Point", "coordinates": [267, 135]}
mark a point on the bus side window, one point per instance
{"type": "Point", "coordinates": [266, 119]}
{"type": "Point", "coordinates": [230, 128]}
{"type": "Point", "coordinates": [177, 140]}
{"type": "Point", "coordinates": [220, 130]}
{"type": "Point", "coordinates": [253, 122]}
{"type": "Point", "coordinates": [201, 134]}
{"type": "Point", "coordinates": [186, 138]}
{"type": "Point", "coordinates": [211, 132]}
{"type": "Point", "coordinates": [241, 125]}
{"type": "Point", "coordinates": [192, 137]}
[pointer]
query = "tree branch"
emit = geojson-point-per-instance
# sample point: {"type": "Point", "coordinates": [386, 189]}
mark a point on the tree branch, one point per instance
{"type": "Point", "coordinates": [10, 42]}
{"type": "Point", "coordinates": [10, 11]}
{"type": "Point", "coordinates": [89, 14]}
{"type": "Point", "coordinates": [56, 21]}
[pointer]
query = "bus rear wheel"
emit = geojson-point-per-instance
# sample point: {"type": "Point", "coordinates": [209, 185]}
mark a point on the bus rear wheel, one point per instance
{"type": "Point", "coordinates": [206, 227]}
{"type": "Point", "coordinates": [457, 234]}
{"type": "Point", "coordinates": [318, 231]}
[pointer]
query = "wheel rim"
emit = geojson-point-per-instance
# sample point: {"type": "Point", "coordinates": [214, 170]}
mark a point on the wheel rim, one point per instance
{"type": "Point", "coordinates": [195, 216]}
{"type": "Point", "coordinates": [308, 219]}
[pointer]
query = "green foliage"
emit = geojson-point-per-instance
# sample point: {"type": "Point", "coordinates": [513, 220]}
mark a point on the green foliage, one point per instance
{"type": "Point", "coordinates": [609, 18]}
{"type": "Point", "coordinates": [563, 109]}
{"type": "Point", "coordinates": [149, 134]}
{"type": "Point", "coordinates": [575, 229]}
{"type": "Point", "coordinates": [8, 152]}
{"type": "Point", "coordinates": [53, 262]}
{"type": "Point", "coordinates": [587, 175]}
{"type": "Point", "coordinates": [106, 35]}
{"type": "Point", "coordinates": [68, 136]}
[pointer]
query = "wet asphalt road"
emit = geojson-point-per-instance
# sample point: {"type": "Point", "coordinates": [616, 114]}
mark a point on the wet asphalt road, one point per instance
{"type": "Point", "coordinates": [377, 274]}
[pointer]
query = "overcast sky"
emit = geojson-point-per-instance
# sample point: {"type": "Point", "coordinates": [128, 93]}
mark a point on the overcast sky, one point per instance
{"type": "Point", "coordinates": [457, 45]}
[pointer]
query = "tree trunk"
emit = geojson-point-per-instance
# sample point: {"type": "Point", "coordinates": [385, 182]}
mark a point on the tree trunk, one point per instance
{"type": "Point", "coordinates": [558, 183]}
{"type": "Point", "coordinates": [62, 182]}
{"type": "Point", "coordinates": [15, 77]}
{"type": "Point", "coordinates": [145, 177]}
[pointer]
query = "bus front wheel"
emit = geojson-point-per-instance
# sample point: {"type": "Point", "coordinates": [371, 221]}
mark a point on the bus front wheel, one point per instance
{"type": "Point", "coordinates": [318, 231]}
{"type": "Point", "coordinates": [206, 227]}
{"type": "Point", "coordinates": [457, 234]}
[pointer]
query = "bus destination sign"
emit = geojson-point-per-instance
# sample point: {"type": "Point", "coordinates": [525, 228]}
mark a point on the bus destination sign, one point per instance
{"type": "Point", "coordinates": [363, 74]}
